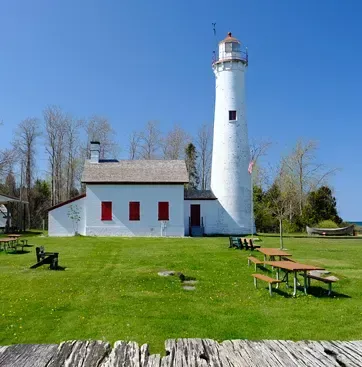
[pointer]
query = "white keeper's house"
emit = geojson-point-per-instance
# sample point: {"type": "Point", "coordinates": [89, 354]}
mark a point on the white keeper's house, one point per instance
{"type": "Point", "coordinates": [147, 197]}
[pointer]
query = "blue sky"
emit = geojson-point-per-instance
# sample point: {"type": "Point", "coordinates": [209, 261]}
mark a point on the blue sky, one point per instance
{"type": "Point", "coordinates": [135, 61]}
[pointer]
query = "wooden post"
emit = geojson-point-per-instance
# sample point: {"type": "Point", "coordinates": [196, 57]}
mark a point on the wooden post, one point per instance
{"type": "Point", "coordinates": [295, 284]}
{"type": "Point", "coordinates": [305, 281]}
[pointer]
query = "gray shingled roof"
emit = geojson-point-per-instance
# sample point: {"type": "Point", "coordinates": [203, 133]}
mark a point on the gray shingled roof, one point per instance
{"type": "Point", "coordinates": [136, 171]}
{"type": "Point", "coordinates": [191, 194]}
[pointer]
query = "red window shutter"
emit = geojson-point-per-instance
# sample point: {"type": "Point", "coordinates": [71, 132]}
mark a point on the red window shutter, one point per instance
{"type": "Point", "coordinates": [163, 210]}
{"type": "Point", "coordinates": [134, 210]}
{"type": "Point", "coordinates": [106, 210]}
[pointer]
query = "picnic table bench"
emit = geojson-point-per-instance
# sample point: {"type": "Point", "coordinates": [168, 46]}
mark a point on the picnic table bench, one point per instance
{"type": "Point", "coordinates": [295, 268]}
{"type": "Point", "coordinates": [272, 253]}
{"type": "Point", "coordinates": [254, 260]}
{"type": "Point", "coordinates": [43, 258]}
{"type": "Point", "coordinates": [15, 245]}
{"type": "Point", "coordinates": [326, 280]}
{"type": "Point", "coordinates": [266, 279]}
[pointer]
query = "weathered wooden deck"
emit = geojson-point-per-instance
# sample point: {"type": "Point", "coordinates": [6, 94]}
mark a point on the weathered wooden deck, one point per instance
{"type": "Point", "coordinates": [186, 352]}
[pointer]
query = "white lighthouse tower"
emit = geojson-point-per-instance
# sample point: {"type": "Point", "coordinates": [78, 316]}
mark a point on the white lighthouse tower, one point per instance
{"type": "Point", "coordinates": [230, 180]}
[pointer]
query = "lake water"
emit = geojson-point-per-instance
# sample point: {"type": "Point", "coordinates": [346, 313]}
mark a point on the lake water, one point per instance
{"type": "Point", "coordinates": [356, 223]}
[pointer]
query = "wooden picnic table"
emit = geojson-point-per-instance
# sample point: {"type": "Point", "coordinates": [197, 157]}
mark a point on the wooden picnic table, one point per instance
{"type": "Point", "coordinates": [14, 237]}
{"type": "Point", "coordinates": [293, 267]}
{"type": "Point", "coordinates": [272, 253]}
{"type": "Point", "coordinates": [5, 241]}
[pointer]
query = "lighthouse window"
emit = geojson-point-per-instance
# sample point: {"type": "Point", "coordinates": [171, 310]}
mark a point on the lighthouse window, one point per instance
{"type": "Point", "coordinates": [232, 115]}
{"type": "Point", "coordinates": [232, 47]}
{"type": "Point", "coordinates": [236, 47]}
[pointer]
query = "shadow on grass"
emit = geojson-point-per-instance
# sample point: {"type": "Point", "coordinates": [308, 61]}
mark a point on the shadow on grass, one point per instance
{"type": "Point", "coordinates": [321, 292]}
{"type": "Point", "coordinates": [18, 252]}
{"type": "Point", "coordinates": [318, 292]}
{"type": "Point", "coordinates": [264, 269]}
{"type": "Point", "coordinates": [282, 293]}
{"type": "Point", "coordinates": [59, 268]}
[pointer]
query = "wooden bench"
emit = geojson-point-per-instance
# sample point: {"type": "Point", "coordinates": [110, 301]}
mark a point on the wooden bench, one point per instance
{"type": "Point", "coordinates": [254, 260]}
{"type": "Point", "coordinates": [266, 279]}
{"type": "Point", "coordinates": [43, 257]}
{"type": "Point", "coordinates": [233, 242]}
{"type": "Point", "coordinates": [249, 244]}
{"type": "Point", "coordinates": [324, 280]}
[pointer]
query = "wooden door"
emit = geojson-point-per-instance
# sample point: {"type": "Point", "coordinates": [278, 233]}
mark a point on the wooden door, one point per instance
{"type": "Point", "coordinates": [195, 214]}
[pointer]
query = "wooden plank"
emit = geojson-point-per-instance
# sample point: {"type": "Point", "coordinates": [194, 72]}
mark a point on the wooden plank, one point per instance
{"type": "Point", "coordinates": [211, 348]}
{"type": "Point", "coordinates": [154, 360]}
{"type": "Point", "coordinates": [299, 352]}
{"type": "Point", "coordinates": [27, 355]}
{"type": "Point", "coordinates": [235, 353]}
{"type": "Point", "coordinates": [123, 354]}
{"type": "Point", "coordinates": [258, 354]}
{"type": "Point", "coordinates": [222, 354]}
{"type": "Point", "coordinates": [170, 347]}
{"type": "Point", "coordinates": [314, 349]}
{"type": "Point", "coordinates": [145, 354]}
{"type": "Point", "coordinates": [80, 354]}
{"type": "Point", "coordinates": [195, 353]}
{"type": "Point", "coordinates": [345, 356]}
{"type": "Point", "coordinates": [187, 352]}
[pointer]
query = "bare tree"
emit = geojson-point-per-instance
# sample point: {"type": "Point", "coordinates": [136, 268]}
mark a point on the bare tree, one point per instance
{"type": "Point", "coordinates": [73, 153]}
{"type": "Point", "coordinates": [7, 159]}
{"type": "Point", "coordinates": [258, 149]}
{"type": "Point", "coordinates": [307, 173]}
{"type": "Point", "coordinates": [25, 142]}
{"type": "Point", "coordinates": [279, 196]}
{"type": "Point", "coordinates": [150, 141]}
{"type": "Point", "coordinates": [98, 128]}
{"type": "Point", "coordinates": [134, 145]}
{"type": "Point", "coordinates": [56, 122]}
{"type": "Point", "coordinates": [204, 148]}
{"type": "Point", "coordinates": [174, 143]}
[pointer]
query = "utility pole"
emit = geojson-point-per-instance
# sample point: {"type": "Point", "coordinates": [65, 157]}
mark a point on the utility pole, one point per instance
{"type": "Point", "coordinates": [21, 211]}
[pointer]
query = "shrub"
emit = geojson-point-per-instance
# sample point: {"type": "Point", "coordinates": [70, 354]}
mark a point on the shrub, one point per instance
{"type": "Point", "coordinates": [327, 224]}
{"type": "Point", "coordinates": [290, 227]}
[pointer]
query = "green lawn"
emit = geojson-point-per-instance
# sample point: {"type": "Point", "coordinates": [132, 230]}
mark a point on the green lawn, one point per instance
{"type": "Point", "coordinates": [110, 290]}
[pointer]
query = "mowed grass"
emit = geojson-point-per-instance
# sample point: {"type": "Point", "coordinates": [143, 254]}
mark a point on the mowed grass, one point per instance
{"type": "Point", "coordinates": [110, 291]}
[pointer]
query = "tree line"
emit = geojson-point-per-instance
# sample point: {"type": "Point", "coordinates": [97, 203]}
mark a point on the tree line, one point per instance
{"type": "Point", "coordinates": [293, 193]}
{"type": "Point", "coordinates": [65, 140]}
{"type": "Point", "coordinates": [288, 195]}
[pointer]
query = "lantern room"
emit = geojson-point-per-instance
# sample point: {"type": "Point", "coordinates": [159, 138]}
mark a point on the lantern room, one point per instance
{"type": "Point", "coordinates": [230, 49]}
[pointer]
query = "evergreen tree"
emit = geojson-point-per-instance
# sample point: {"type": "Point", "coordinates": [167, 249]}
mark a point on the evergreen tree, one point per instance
{"type": "Point", "coordinates": [10, 185]}
{"type": "Point", "coordinates": [40, 203]}
{"type": "Point", "coordinates": [321, 205]}
{"type": "Point", "coordinates": [190, 159]}
{"type": "Point", "coordinates": [264, 220]}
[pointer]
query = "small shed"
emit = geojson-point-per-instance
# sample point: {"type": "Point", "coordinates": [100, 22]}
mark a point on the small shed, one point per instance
{"type": "Point", "coordinates": [5, 215]}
